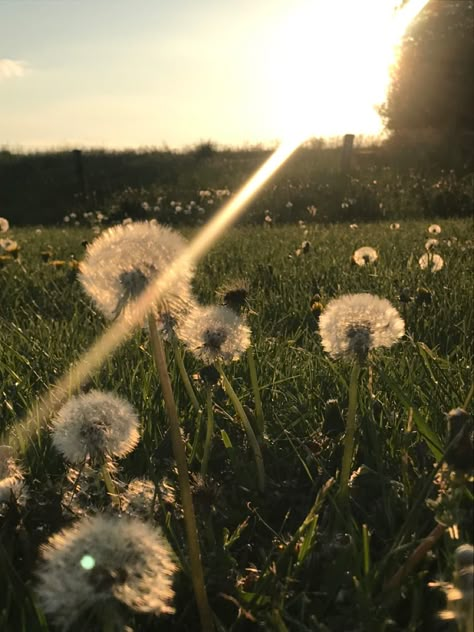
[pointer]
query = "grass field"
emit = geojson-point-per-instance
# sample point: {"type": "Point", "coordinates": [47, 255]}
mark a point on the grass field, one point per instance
{"type": "Point", "coordinates": [288, 559]}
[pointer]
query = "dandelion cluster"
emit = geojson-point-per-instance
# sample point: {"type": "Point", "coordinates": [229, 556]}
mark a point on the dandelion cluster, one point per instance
{"type": "Point", "coordinates": [102, 561]}
{"type": "Point", "coordinates": [95, 425]}
{"type": "Point", "coordinates": [120, 264]}
{"type": "Point", "coordinates": [356, 323]}
{"type": "Point", "coordinates": [215, 333]}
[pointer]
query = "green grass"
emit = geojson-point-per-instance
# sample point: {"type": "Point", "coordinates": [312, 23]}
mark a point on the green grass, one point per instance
{"type": "Point", "coordinates": [288, 559]}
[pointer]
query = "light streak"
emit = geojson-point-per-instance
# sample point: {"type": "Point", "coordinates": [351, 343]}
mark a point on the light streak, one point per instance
{"type": "Point", "coordinates": [115, 335]}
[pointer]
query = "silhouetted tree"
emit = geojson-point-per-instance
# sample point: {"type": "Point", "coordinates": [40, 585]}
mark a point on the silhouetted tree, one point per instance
{"type": "Point", "coordinates": [433, 84]}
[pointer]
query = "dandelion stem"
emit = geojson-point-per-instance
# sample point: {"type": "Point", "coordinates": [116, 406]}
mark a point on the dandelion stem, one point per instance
{"type": "Point", "coordinates": [350, 432]}
{"type": "Point", "coordinates": [197, 434]}
{"type": "Point", "coordinates": [76, 483]}
{"type": "Point", "coordinates": [110, 485]}
{"type": "Point", "coordinates": [209, 432]}
{"type": "Point", "coordinates": [197, 573]}
{"type": "Point", "coordinates": [247, 426]}
{"type": "Point", "coordinates": [184, 375]}
{"type": "Point", "coordinates": [256, 392]}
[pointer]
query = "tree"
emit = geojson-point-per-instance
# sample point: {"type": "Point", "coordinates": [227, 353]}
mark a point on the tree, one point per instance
{"type": "Point", "coordinates": [433, 83]}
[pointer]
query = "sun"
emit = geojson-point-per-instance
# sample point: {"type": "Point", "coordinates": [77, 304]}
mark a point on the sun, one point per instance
{"type": "Point", "coordinates": [328, 66]}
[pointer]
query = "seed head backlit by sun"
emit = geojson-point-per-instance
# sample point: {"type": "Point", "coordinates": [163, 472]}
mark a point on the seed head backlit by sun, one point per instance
{"type": "Point", "coordinates": [330, 65]}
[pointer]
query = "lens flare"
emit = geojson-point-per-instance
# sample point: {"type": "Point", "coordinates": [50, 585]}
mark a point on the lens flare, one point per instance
{"type": "Point", "coordinates": [50, 403]}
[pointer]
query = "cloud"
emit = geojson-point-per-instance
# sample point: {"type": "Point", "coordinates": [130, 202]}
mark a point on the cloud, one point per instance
{"type": "Point", "coordinates": [11, 68]}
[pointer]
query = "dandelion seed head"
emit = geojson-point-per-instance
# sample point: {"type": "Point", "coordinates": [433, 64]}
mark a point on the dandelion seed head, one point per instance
{"type": "Point", "coordinates": [96, 425]}
{"type": "Point", "coordinates": [105, 560]}
{"type": "Point", "coordinates": [353, 226]}
{"type": "Point", "coordinates": [434, 229]}
{"type": "Point", "coordinates": [234, 295]}
{"type": "Point", "coordinates": [365, 256]}
{"type": "Point", "coordinates": [138, 499]}
{"type": "Point", "coordinates": [434, 262]}
{"type": "Point", "coordinates": [12, 484]}
{"type": "Point", "coordinates": [8, 245]}
{"type": "Point", "coordinates": [395, 226]}
{"type": "Point", "coordinates": [464, 556]}
{"type": "Point", "coordinates": [356, 323]}
{"type": "Point", "coordinates": [431, 243]}
{"type": "Point", "coordinates": [122, 261]}
{"type": "Point", "coordinates": [214, 333]}
{"type": "Point", "coordinates": [4, 225]}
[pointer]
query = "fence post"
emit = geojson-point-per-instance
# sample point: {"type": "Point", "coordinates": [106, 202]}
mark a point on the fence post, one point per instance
{"type": "Point", "coordinates": [346, 156]}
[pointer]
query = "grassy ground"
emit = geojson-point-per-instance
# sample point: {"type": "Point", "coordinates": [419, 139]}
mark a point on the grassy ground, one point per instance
{"type": "Point", "coordinates": [281, 560]}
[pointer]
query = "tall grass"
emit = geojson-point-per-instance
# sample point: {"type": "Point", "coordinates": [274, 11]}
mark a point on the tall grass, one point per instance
{"type": "Point", "coordinates": [281, 560]}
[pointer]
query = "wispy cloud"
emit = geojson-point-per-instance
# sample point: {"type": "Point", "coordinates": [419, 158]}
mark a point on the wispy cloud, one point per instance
{"type": "Point", "coordinates": [11, 68]}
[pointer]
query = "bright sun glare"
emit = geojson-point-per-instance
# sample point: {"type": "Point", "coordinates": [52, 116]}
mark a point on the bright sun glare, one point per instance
{"type": "Point", "coordinates": [330, 62]}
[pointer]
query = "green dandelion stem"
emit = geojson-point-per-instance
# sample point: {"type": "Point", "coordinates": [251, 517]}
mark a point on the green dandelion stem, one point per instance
{"type": "Point", "coordinates": [256, 392]}
{"type": "Point", "coordinates": [184, 376]}
{"type": "Point", "coordinates": [247, 426]}
{"type": "Point", "coordinates": [209, 432]}
{"type": "Point", "coordinates": [197, 573]}
{"type": "Point", "coordinates": [197, 434]}
{"type": "Point", "coordinates": [350, 432]}
{"type": "Point", "coordinates": [110, 485]}
{"type": "Point", "coordinates": [76, 483]}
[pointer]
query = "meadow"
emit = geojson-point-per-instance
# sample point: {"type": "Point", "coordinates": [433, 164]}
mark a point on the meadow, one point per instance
{"type": "Point", "coordinates": [288, 558]}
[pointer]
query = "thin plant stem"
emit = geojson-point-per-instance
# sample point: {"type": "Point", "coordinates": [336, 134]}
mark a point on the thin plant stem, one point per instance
{"type": "Point", "coordinates": [256, 392]}
{"type": "Point", "coordinates": [247, 426]}
{"type": "Point", "coordinates": [415, 558]}
{"type": "Point", "coordinates": [197, 573]}
{"type": "Point", "coordinates": [350, 432]}
{"type": "Point", "coordinates": [110, 485]}
{"type": "Point", "coordinates": [184, 376]}
{"type": "Point", "coordinates": [197, 434]}
{"type": "Point", "coordinates": [209, 432]}
{"type": "Point", "coordinates": [76, 483]}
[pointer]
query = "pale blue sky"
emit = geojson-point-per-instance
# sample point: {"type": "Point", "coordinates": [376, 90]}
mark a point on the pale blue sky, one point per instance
{"type": "Point", "coordinates": [137, 72]}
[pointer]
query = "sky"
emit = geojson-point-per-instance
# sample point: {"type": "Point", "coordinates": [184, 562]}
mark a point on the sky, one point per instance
{"type": "Point", "coordinates": [154, 73]}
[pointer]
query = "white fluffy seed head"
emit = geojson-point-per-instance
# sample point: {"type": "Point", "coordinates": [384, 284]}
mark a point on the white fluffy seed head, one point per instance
{"type": "Point", "coordinates": [12, 484]}
{"type": "Point", "coordinates": [139, 499]}
{"type": "Point", "coordinates": [365, 255]}
{"type": "Point", "coordinates": [434, 229]}
{"type": "Point", "coordinates": [433, 261]}
{"type": "Point", "coordinates": [105, 560]}
{"type": "Point", "coordinates": [431, 243]}
{"type": "Point", "coordinates": [4, 225]}
{"type": "Point", "coordinates": [214, 333]}
{"type": "Point", "coordinates": [354, 324]}
{"type": "Point", "coordinates": [95, 425]}
{"type": "Point", "coordinates": [122, 261]}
